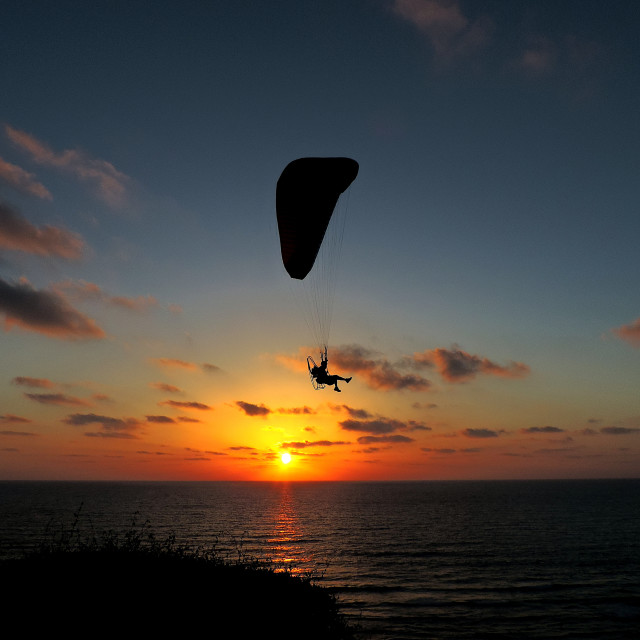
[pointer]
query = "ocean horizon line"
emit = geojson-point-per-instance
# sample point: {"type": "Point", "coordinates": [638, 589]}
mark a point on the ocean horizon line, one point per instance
{"type": "Point", "coordinates": [293, 481]}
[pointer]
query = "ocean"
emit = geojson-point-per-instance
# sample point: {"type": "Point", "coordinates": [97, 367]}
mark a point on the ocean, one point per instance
{"type": "Point", "coordinates": [407, 560]}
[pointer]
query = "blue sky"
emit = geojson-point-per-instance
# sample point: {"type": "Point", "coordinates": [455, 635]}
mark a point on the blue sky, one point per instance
{"type": "Point", "coordinates": [494, 218]}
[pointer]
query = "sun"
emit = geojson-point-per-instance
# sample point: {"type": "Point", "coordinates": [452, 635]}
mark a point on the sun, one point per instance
{"type": "Point", "coordinates": [286, 458]}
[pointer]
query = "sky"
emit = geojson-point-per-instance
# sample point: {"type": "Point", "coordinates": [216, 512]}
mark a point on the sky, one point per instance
{"type": "Point", "coordinates": [487, 302]}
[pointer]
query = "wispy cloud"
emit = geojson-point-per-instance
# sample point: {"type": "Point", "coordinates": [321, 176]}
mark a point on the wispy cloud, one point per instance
{"type": "Point", "coordinates": [45, 312]}
{"type": "Point", "coordinates": [83, 291]}
{"type": "Point", "coordinates": [36, 383]}
{"type": "Point", "coordinates": [567, 56]}
{"type": "Point", "coordinates": [455, 365]}
{"type": "Point", "coordinates": [175, 363]}
{"type": "Point", "coordinates": [450, 33]}
{"type": "Point", "coordinates": [160, 419]}
{"type": "Point", "coordinates": [547, 429]}
{"type": "Point", "coordinates": [630, 333]}
{"type": "Point", "coordinates": [199, 406]}
{"type": "Point", "coordinates": [111, 427]}
{"type": "Point", "coordinates": [163, 386]}
{"type": "Point", "coordinates": [358, 414]}
{"type": "Point", "coordinates": [19, 434]}
{"type": "Point", "coordinates": [479, 433]}
{"type": "Point", "coordinates": [9, 418]}
{"type": "Point", "coordinates": [297, 411]}
{"type": "Point", "coordinates": [253, 409]}
{"type": "Point", "coordinates": [385, 425]}
{"type": "Point", "coordinates": [377, 372]}
{"type": "Point", "coordinates": [110, 184]}
{"type": "Point", "coordinates": [23, 181]}
{"type": "Point", "coordinates": [394, 439]}
{"type": "Point", "coordinates": [102, 397]}
{"type": "Point", "coordinates": [121, 435]}
{"type": "Point", "coordinates": [315, 443]}
{"type": "Point", "coordinates": [370, 367]}
{"type": "Point", "coordinates": [539, 57]}
{"type": "Point", "coordinates": [619, 431]}
{"type": "Point", "coordinates": [18, 234]}
{"type": "Point", "coordinates": [382, 426]}
{"type": "Point", "coordinates": [59, 399]}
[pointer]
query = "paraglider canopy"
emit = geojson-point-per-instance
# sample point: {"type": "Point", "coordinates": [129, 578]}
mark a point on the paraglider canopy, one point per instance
{"type": "Point", "coordinates": [306, 195]}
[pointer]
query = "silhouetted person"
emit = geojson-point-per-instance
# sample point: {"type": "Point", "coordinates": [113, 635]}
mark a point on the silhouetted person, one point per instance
{"type": "Point", "coordinates": [322, 376]}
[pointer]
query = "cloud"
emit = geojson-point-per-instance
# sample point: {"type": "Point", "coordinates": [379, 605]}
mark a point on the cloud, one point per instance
{"type": "Point", "coordinates": [253, 409]}
{"type": "Point", "coordinates": [139, 303]}
{"type": "Point", "coordinates": [316, 443]}
{"type": "Point", "coordinates": [542, 430]}
{"type": "Point", "coordinates": [18, 434]}
{"type": "Point", "coordinates": [23, 181]}
{"type": "Point", "coordinates": [18, 234]}
{"type": "Point", "coordinates": [82, 291]}
{"type": "Point", "coordinates": [389, 439]}
{"type": "Point", "coordinates": [629, 333]}
{"type": "Point", "coordinates": [373, 426]}
{"type": "Point", "coordinates": [578, 61]}
{"type": "Point", "coordinates": [110, 184]}
{"type": "Point", "coordinates": [188, 419]}
{"type": "Point", "coordinates": [45, 312]}
{"type": "Point", "coordinates": [480, 433]}
{"type": "Point", "coordinates": [451, 34]}
{"type": "Point", "coordinates": [115, 426]}
{"type": "Point", "coordinates": [163, 386]}
{"type": "Point", "coordinates": [111, 434]}
{"type": "Point", "coordinates": [297, 411]}
{"type": "Point", "coordinates": [160, 419]}
{"type": "Point", "coordinates": [210, 368]}
{"type": "Point", "coordinates": [154, 453]}
{"type": "Point", "coordinates": [539, 57]}
{"type": "Point", "coordinates": [9, 418]}
{"type": "Point", "coordinates": [37, 383]}
{"type": "Point", "coordinates": [359, 414]}
{"type": "Point", "coordinates": [412, 425]}
{"type": "Point", "coordinates": [556, 450]}
{"type": "Point", "coordinates": [102, 397]}
{"type": "Point", "coordinates": [174, 363]}
{"type": "Point", "coordinates": [424, 405]}
{"type": "Point", "coordinates": [619, 431]}
{"type": "Point", "coordinates": [446, 451]}
{"type": "Point", "coordinates": [377, 372]}
{"type": "Point", "coordinates": [57, 399]}
{"type": "Point", "coordinates": [186, 405]}
{"type": "Point", "coordinates": [455, 365]}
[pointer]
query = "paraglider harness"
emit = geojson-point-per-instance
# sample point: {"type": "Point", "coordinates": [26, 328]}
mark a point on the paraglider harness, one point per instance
{"type": "Point", "coordinates": [314, 369]}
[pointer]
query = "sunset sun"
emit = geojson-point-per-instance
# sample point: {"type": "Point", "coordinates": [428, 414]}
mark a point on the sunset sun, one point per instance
{"type": "Point", "coordinates": [285, 458]}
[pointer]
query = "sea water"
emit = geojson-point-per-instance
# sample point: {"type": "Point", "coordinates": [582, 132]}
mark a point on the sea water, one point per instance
{"type": "Point", "coordinates": [407, 560]}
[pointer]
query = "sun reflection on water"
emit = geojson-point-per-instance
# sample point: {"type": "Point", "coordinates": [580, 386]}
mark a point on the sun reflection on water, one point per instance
{"type": "Point", "coordinates": [287, 542]}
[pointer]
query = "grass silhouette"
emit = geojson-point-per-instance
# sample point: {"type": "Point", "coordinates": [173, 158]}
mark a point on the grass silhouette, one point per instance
{"type": "Point", "coordinates": [136, 585]}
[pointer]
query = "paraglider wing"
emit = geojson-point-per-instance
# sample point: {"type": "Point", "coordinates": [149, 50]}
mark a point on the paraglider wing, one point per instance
{"type": "Point", "coordinates": [306, 195]}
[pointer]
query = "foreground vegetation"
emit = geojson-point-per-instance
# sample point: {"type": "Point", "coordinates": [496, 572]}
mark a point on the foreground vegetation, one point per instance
{"type": "Point", "coordinates": [137, 585]}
